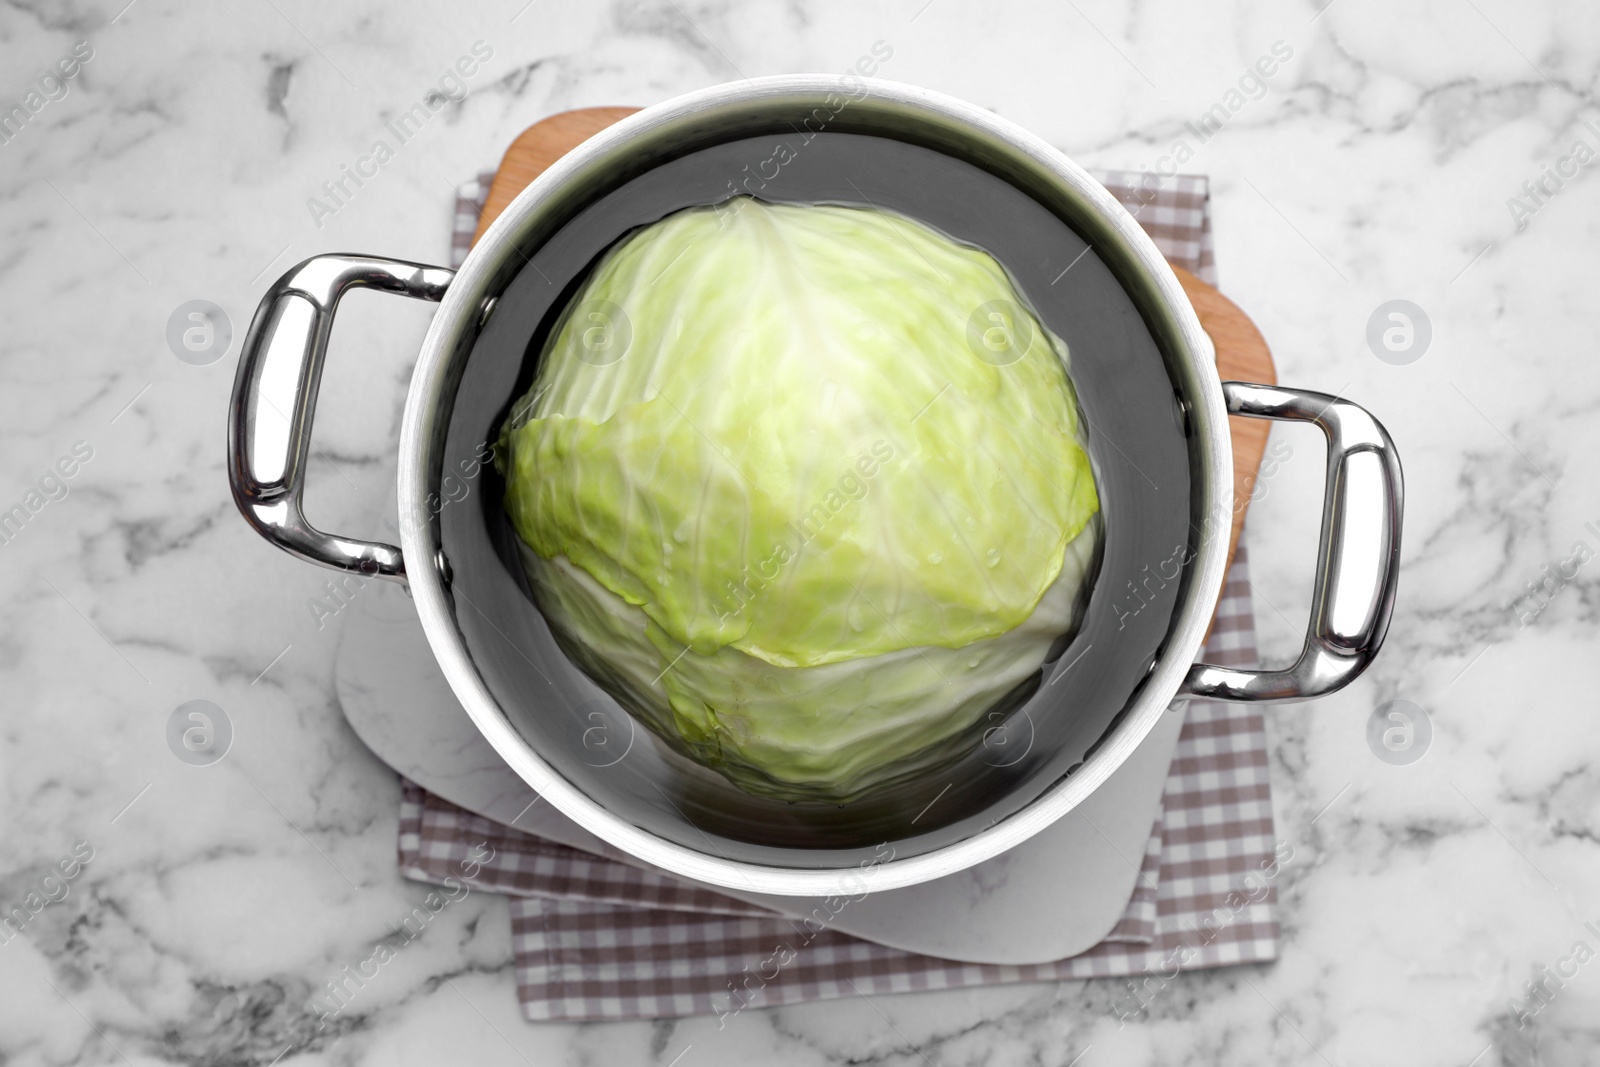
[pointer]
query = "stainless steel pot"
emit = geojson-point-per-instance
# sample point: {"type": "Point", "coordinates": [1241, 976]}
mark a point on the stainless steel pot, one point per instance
{"type": "Point", "coordinates": [541, 714]}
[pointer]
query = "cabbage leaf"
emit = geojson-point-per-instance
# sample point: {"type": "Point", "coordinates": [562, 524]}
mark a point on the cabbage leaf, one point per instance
{"type": "Point", "coordinates": [804, 487]}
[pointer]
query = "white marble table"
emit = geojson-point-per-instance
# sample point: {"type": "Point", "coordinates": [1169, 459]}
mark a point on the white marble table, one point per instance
{"type": "Point", "coordinates": [1376, 164]}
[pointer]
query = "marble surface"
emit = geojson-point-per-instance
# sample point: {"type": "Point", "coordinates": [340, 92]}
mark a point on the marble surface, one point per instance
{"type": "Point", "coordinates": [1376, 163]}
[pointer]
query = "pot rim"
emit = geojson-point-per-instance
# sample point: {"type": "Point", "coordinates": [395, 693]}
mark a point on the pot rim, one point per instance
{"type": "Point", "coordinates": [481, 276]}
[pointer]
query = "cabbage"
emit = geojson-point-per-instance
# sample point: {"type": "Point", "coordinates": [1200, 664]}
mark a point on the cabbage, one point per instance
{"type": "Point", "coordinates": [802, 486]}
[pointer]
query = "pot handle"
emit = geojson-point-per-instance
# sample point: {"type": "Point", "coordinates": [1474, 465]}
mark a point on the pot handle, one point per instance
{"type": "Point", "coordinates": [1358, 563]}
{"type": "Point", "coordinates": [275, 396]}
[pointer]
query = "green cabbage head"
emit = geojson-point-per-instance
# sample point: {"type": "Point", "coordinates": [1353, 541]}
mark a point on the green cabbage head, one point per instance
{"type": "Point", "coordinates": [803, 487]}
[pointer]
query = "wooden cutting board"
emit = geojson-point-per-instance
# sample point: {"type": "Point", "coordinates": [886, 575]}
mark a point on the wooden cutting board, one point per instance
{"type": "Point", "coordinates": [1242, 352]}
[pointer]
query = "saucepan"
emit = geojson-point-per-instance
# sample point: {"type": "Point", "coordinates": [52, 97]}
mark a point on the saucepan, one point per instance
{"type": "Point", "coordinates": [1157, 418]}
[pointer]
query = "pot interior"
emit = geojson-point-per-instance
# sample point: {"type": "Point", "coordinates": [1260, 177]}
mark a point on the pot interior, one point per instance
{"type": "Point", "coordinates": [1136, 435]}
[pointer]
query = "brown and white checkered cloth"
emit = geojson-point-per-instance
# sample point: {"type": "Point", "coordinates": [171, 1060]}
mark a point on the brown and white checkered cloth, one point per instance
{"type": "Point", "coordinates": [596, 938]}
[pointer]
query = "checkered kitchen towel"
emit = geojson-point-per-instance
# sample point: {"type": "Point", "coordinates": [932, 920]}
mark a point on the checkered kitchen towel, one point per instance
{"type": "Point", "coordinates": [597, 938]}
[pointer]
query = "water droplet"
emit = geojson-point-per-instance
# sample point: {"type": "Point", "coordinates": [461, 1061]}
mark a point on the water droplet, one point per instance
{"type": "Point", "coordinates": [993, 556]}
{"type": "Point", "coordinates": [973, 663]}
{"type": "Point", "coordinates": [935, 557]}
{"type": "Point", "coordinates": [681, 534]}
{"type": "Point", "coordinates": [855, 616]}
